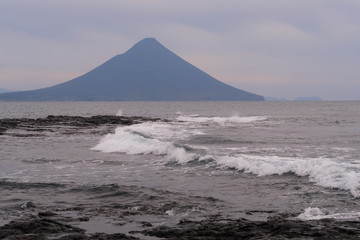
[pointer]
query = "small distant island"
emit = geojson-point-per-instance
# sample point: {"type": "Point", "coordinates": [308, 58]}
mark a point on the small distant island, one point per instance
{"type": "Point", "coordinates": [274, 99]}
{"type": "Point", "coordinates": [312, 98]}
{"type": "Point", "coordinates": [4, 90]}
{"type": "Point", "coordinates": [146, 72]}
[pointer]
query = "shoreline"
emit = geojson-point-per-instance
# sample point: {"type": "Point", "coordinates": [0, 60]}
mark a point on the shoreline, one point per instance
{"type": "Point", "coordinates": [109, 212]}
{"type": "Point", "coordinates": [49, 225]}
{"type": "Point", "coordinates": [36, 125]}
{"type": "Point", "coordinates": [67, 211]}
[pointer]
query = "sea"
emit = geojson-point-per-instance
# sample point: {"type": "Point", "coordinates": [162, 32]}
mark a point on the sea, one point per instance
{"type": "Point", "coordinates": [251, 160]}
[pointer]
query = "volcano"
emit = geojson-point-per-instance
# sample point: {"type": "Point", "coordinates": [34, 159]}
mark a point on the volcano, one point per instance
{"type": "Point", "coordinates": [146, 72]}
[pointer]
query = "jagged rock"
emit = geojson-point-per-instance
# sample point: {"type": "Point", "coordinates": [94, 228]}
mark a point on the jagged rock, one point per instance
{"type": "Point", "coordinates": [276, 228]}
{"type": "Point", "coordinates": [45, 124]}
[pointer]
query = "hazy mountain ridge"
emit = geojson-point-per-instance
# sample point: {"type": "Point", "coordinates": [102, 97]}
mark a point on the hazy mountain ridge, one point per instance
{"type": "Point", "coordinates": [4, 90]}
{"type": "Point", "coordinates": [146, 72]}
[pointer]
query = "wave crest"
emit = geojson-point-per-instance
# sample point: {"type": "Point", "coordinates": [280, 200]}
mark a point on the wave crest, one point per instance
{"type": "Point", "coordinates": [128, 140]}
{"type": "Point", "coordinates": [323, 171]}
{"type": "Point", "coordinates": [312, 213]}
{"type": "Point", "coordinates": [221, 120]}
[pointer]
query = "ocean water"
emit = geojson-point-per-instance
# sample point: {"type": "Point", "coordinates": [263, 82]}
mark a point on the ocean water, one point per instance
{"type": "Point", "coordinates": [234, 159]}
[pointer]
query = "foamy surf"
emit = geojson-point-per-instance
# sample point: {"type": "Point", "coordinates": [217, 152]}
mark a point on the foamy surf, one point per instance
{"type": "Point", "coordinates": [314, 213]}
{"type": "Point", "coordinates": [322, 171]}
{"type": "Point", "coordinates": [119, 113]}
{"type": "Point", "coordinates": [162, 138]}
{"type": "Point", "coordinates": [159, 139]}
{"type": "Point", "coordinates": [221, 120]}
{"type": "Point", "coordinates": [137, 139]}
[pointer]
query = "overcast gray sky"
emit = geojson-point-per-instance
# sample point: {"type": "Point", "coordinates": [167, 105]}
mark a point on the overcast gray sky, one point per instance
{"type": "Point", "coordinates": [277, 48]}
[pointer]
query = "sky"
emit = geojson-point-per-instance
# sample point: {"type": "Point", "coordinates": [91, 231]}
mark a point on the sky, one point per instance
{"type": "Point", "coordinates": [275, 48]}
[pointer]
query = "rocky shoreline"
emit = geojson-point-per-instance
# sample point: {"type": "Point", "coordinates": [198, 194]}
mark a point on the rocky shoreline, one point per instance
{"type": "Point", "coordinates": [76, 122]}
{"type": "Point", "coordinates": [43, 227]}
{"type": "Point", "coordinates": [275, 228]}
{"type": "Point", "coordinates": [40, 228]}
{"type": "Point", "coordinates": [109, 212]}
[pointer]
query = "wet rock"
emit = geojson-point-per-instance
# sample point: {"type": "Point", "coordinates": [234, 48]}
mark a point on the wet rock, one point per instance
{"type": "Point", "coordinates": [27, 237]}
{"type": "Point", "coordinates": [35, 226]}
{"type": "Point", "coordinates": [84, 219]}
{"type": "Point", "coordinates": [271, 229]}
{"type": "Point", "coordinates": [146, 224]}
{"type": "Point", "coordinates": [45, 124]}
{"type": "Point", "coordinates": [116, 236]}
{"type": "Point", "coordinates": [74, 237]}
{"type": "Point", "coordinates": [46, 214]}
{"type": "Point", "coordinates": [45, 229]}
{"type": "Point", "coordinates": [28, 205]}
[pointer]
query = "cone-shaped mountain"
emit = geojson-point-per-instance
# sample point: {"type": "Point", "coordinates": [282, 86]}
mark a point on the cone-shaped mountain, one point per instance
{"type": "Point", "coordinates": [146, 72]}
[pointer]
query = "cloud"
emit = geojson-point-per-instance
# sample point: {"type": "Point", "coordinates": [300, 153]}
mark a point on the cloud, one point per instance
{"type": "Point", "coordinates": [280, 33]}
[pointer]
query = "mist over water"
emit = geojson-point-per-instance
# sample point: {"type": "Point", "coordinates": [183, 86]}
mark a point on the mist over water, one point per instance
{"type": "Point", "coordinates": [238, 159]}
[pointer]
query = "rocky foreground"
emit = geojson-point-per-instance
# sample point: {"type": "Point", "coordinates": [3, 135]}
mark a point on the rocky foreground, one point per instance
{"type": "Point", "coordinates": [43, 227]}
{"type": "Point", "coordinates": [276, 228]}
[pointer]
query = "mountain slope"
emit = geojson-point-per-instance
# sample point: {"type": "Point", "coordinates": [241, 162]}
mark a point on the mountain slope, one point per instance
{"type": "Point", "coordinates": [146, 72]}
{"type": "Point", "coordinates": [4, 90]}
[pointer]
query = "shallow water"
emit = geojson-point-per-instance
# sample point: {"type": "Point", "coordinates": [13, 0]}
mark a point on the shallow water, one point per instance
{"type": "Point", "coordinates": [236, 159]}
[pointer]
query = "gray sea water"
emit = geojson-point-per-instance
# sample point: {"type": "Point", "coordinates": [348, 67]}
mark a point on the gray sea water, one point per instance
{"type": "Point", "coordinates": [235, 159]}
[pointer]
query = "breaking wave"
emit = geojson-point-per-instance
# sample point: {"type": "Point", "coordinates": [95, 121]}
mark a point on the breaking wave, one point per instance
{"type": "Point", "coordinates": [119, 113]}
{"type": "Point", "coordinates": [322, 171]}
{"type": "Point", "coordinates": [221, 120]}
{"type": "Point", "coordinates": [311, 213]}
{"type": "Point", "coordinates": [163, 139]}
{"type": "Point", "coordinates": [137, 139]}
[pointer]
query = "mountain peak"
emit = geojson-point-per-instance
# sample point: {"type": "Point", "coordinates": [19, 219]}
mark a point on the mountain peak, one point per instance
{"type": "Point", "coordinates": [148, 41]}
{"type": "Point", "coordinates": [147, 46]}
{"type": "Point", "coordinates": [146, 72]}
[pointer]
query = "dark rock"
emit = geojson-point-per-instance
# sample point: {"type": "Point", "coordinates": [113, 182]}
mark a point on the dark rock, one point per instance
{"type": "Point", "coordinates": [116, 236]}
{"type": "Point", "coordinates": [35, 226]}
{"type": "Point", "coordinates": [146, 224]}
{"type": "Point", "coordinates": [271, 229]}
{"type": "Point", "coordinates": [44, 229]}
{"type": "Point", "coordinates": [84, 219]}
{"type": "Point", "coordinates": [46, 214]}
{"type": "Point", "coordinates": [77, 236]}
{"type": "Point", "coordinates": [27, 237]}
{"type": "Point", "coordinates": [45, 124]}
{"type": "Point", "coordinates": [28, 205]}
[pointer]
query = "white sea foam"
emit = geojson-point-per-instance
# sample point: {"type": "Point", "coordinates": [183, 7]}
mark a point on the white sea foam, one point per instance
{"type": "Point", "coordinates": [170, 212]}
{"type": "Point", "coordinates": [312, 213]}
{"type": "Point", "coordinates": [163, 131]}
{"type": "Point", "coordinates": [221, 120]}
{"type": "Point", "coordinates": [119, 113]}
{"type": "Point", "coordinates": [139, 139]}
{"type": "Point", "coordinates": [159, 138]}
{"type": "Point", "coordinates": [323, 171]}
